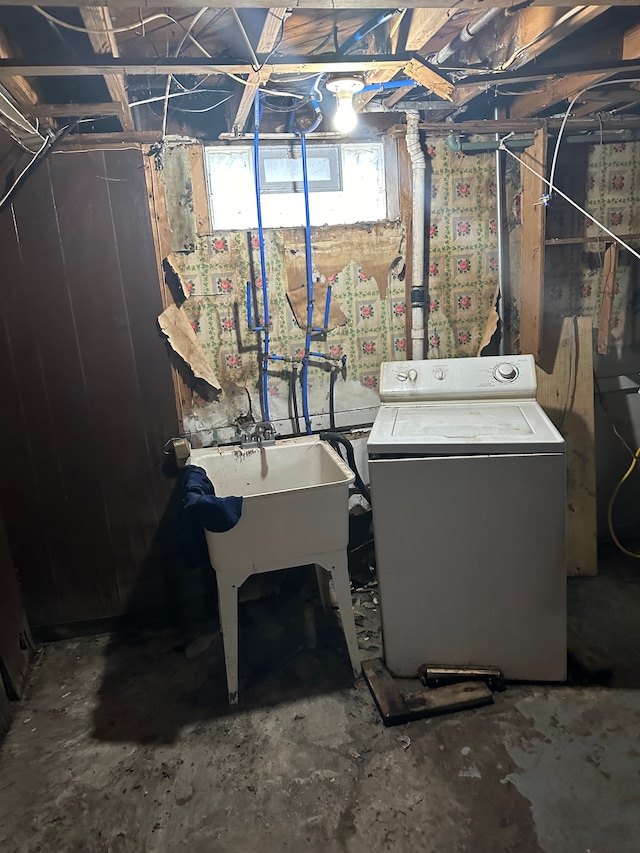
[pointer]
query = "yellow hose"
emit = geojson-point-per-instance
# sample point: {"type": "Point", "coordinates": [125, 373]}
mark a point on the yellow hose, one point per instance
{"type": "Point", "coordinates": [629, 472]}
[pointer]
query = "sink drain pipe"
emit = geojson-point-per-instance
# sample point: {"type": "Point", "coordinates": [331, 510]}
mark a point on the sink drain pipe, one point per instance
{"type": "Point", "coordinates": [418, 171]}
{"type": "Point", "coordinates": [335, 439]}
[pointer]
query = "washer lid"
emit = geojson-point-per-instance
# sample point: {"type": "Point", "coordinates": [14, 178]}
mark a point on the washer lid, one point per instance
{"type": "Point", "coordinates": [464, 428]}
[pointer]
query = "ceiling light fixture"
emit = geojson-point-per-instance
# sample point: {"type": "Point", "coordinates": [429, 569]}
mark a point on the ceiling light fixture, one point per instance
{"type": "Point", "coordinates": [344, 88]}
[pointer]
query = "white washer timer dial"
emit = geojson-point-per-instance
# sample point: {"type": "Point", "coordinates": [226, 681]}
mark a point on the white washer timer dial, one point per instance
{"type": "Point", "coordinates": [506, 372]}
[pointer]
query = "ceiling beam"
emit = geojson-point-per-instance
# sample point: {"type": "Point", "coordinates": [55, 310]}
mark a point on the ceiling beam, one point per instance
{"type": "Point", "coordinates": [538, 28]}
{"type": "Point", "coordinates": [352, 5]}
{"type": "Point", "coordinates": [162, 67]}
{"type": "Point", "coordinates": [424, 24]}
{"type": "Point", "coordinates": [99, 18]}
{"type": "Point", "coordinates": [566, 88]}
{"type": "Point", "coordinates": [74, 110]}
{"type": "Point", "coordinates": [272, 29]}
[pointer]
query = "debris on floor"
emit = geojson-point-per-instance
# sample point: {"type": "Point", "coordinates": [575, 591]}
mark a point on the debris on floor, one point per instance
{"type": "Point", "coordinates": [398, 706]}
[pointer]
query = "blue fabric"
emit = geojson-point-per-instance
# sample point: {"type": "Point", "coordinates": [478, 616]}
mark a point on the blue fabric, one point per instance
{"type": "Point", "coordinates": [202, 508]}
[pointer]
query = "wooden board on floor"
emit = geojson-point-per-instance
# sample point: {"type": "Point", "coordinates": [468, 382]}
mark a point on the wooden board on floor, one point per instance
{"type": "Point", "coordinates": [565, 391]}
{"type": "Point", "coordinates": [396, 708]}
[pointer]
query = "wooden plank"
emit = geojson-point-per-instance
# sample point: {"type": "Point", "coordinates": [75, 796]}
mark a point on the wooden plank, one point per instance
{"type": "Point", "coordinates": [565, 391]}
{"type": "Point", "coordinates": [429, 78]}
{"type": "Point", "coordinates": [424, 25]}
{"type": "Point", "coordinates": [386, 695]}
{"type": "Point", "coordinates": [532, 245]}
{"type": "Point", "coordinates": [277, 65]}
{"type": "Point", "coordinates": [52, 478]}
{"type": "Point", "coordinates": [96, 277]}
{"type": "Point", "coordinates": [609, 271]}
{"type": "Point", "coordinates": [199, 189]}
{"type": "Point", "coordinates": [536, 29]}
{"type": "Point", "coordinates": [568, 241]}
{"type": "Point", "coordinates": [448, 700]}
{"type": "Point", "coordinates": [99, 18]}
{"type": "Point", "coordinates": [54, 110]}
{"type": "Point", "coordinates": [162, 248]}
{"type": "Point", "coordinates": [271, 33]}
{"type": "Point", "coordinates": [146, 588]}
{"type": "Point", "coordinates": [553, 92]}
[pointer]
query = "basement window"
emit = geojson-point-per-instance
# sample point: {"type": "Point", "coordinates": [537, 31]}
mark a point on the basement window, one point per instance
{"type": "Point", "coordinates": [348, 183]}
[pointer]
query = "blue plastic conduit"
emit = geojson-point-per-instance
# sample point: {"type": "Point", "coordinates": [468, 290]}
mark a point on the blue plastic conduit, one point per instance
{"type": "Point", "coordinates": [390, 84]}
{"type": "Point", "coordinates": [263, 265]}
{"type": "Point", "coordinates": [307, 238]}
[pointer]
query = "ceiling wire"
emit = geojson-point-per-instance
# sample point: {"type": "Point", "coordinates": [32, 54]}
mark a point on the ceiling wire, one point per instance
{"type": "Point", "coordinates": [254, 59]}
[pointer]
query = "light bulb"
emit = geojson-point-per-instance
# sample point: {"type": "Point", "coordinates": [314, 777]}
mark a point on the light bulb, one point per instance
{"type": "Point", "coordinates": [345, 118]}
{"type": "Point", "coordinates": [344, 88]}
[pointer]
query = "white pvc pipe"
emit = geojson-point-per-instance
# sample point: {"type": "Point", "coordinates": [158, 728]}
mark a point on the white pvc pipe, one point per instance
{"type": "Point", "coordinates": [418, 171]}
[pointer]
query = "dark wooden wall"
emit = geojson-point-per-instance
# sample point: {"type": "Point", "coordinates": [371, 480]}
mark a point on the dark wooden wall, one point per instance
{"type": "Point", "coordinates": [87, 397]}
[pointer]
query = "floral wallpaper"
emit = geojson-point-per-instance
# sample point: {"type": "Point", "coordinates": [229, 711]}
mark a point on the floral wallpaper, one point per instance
{"type": "Point", "coordinates": [462, 260]}
{"type": "Point", "coordinates": [216, 274]}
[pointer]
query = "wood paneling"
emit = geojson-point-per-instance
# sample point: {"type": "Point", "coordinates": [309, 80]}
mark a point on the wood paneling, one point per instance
{"type": "Point", "coordinates": [88, 385]}
{"type": "Point", "coordinates": [565, 391]}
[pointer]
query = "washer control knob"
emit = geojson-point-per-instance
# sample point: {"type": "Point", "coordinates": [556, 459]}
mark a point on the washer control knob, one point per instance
{"type": "Point", "coordinates": [401, 377]}
{"type": "Point", "coordinates": [506, 372]}
{"type": "Point", "coordinates": [440, 373]}
{"type": "Point", "coordinates": [413, 374]}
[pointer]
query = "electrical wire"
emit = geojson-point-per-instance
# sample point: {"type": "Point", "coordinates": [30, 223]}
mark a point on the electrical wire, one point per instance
{"type": "Point", "coordinates": [254, 59]}
{"type": "Point", "coordinates": [165, 111]}
{"type": "Point", "coordinates": [46, 143]}
{"type": "Point", "coordinates": [554, 159]}
{"type": "Point", "coordinates": [555, 189]}
{"type": "Point", "coordinates": [612, 500]}
{"type": "Point", "coordinates": [104, 30]}
{"type": "Point", "coordinates": [635, 455]}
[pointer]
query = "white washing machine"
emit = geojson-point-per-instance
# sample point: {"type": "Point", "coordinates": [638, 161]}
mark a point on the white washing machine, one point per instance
{"type": "Point", "coordinates": [468, 491]}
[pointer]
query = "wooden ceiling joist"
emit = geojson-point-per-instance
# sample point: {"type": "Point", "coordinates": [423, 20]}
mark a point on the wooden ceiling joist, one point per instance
{"type": "Point", "coordinates": [424, 24]}
{"type": "Point", "coordinates": [565, 88]}
{"type": "Point", "coordinates": [104, 42]}
{"type": "Point", "coordinates": [271, 33]}
{"type": "Point", "coordinates": [63, 110]}
{"type": "Point", "coordinates": [144, 67]}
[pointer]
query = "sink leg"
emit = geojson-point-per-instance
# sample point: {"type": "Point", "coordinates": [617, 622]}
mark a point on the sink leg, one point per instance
{"type": "Point", "coordinates": [228, 609]}
{"type": "Point", "coordinates": [323, 587]}
{"type": "Point", "coordinates": [340, 573]}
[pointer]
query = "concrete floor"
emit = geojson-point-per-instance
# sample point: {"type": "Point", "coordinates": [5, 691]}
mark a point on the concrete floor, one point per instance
{"type": "Point", "coordinates": [126, 744]}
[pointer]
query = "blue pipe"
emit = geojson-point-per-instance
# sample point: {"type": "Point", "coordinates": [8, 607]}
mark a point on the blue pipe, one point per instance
{"type": "Point", "coordinates": [370, 25]}
{"type": "Point", "coordinates": [307, 238]}
{"type": "Point", "coordinates": [327, 308]}
{"type": "Point", "coordinates": [263, 265]}
{"type": "Point", "coordinates": [391, 84]}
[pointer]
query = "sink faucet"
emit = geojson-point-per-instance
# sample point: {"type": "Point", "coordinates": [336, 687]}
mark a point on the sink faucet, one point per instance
{"type": "Point", "coordinates": [260, 433]}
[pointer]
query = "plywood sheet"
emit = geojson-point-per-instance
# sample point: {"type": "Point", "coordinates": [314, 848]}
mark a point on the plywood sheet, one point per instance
{"type": "Point", "coordinates": [565, 391]}
{"type": "Point", "coordinates": [175, 324]}
{"type": "Point", "coordinates": [299, 305]}
{"type": "Point", "coordinates": [374, 247]}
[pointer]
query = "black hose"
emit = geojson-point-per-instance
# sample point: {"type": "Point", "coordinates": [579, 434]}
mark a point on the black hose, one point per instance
{"type": "Point", "coordinates": [332, 399]}
{"type": "Point", "coordinates": [294, 398]}
{"type": "Point", "coordinates": [334, 438]}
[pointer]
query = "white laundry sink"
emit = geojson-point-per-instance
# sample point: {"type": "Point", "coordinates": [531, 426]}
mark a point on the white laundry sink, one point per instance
{"type": "Point", "coordinates": [295, 508]}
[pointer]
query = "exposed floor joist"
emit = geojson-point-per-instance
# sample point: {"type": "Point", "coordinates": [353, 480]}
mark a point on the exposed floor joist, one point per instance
{"type": "Point", "coordinates": [424, 24]}
{"type": "Point", "coordinates": [271, 33]}
{"type": "Point", "coordinates": [281, 65]}
{"type": "Point", "coordinates": [104, 42]}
